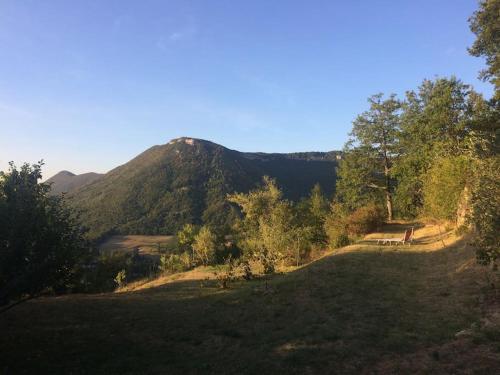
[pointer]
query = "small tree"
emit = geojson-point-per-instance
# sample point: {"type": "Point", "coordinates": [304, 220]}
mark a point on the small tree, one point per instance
{"type": "Point", "coordinates": [186, 236]}
{"type": "Point", "coordinates": [268, 230]}
{"type": "Point", "coordinates": [336, 226]}
{"type": "Point", "coordinates": [120, 278]}
{"type": "Point", "coordinates": [205, 245]}
{"type": "Point", "coordinates": [318, 209]}
{"type": "Point", "coordinates": [40, 239]}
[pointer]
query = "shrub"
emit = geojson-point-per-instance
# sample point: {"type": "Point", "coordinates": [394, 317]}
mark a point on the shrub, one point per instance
{"type": "Point", "coordinates": [229, 249]}
{"type": "Point", "coordinates": [120, 278]}
{"type": "Point", "coordinates": [335, 226]}
{"type": "Point", "coordinates": [172, 263]}
{"type": "Point", "coordinates": [186, 237]}
{"type": "Point", "coordinates": [486, 211]}
{"type": "Point", "coordinates": [364, 220]}
{"type": "Point", "coordinates": [246, 270]}
{"type": "Point", "coordinates": [99, 276]}
{"type": "Point", "coordinates": [205, 245]}
{"type": "Point", "coordinates": [225, 274]}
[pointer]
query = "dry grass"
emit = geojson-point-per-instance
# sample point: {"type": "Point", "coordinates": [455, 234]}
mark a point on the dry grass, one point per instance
{"type": "Point", "coordinates": [363, 309]}
{"type": "Point", "coordinates": [145, 244]}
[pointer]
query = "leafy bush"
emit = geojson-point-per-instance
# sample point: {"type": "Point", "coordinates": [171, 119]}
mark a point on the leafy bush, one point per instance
{"type": "Point", "coordinates": [225, 274]}
{"type": "Point", "coordinates": [246, 269]}
{"type": "Point", "coordinates": [229, 249]}
{"type": "Point", "coordinates": [335, 226]}
{"type": "Point", "coordinates": [99, 276]}
{"type": "Point", "coordinates": [486, 211]}
{"type": "Point", "coordinates": [364, 220]}
{"type": "Point", "coordinates": [186, 236]}
{"type": "Point", "coordinates": [205, 245]}
{"type": "Point", "coordinates": [443, 186]}
{"type": "Point", "coordinates": [120, 278]}
{"type": "Point", "coordinates": [336, 232]}
{"type": "Point", "coordinates": [172, 263]}
{"type": "Point", "coordinates": [273, 229]}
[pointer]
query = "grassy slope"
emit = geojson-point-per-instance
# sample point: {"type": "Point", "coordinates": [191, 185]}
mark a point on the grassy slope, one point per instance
{"type": "Point", "coordinates": [365, 309]}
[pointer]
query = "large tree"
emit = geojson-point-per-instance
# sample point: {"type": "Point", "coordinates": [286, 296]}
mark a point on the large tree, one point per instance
{"type": "Point", "coordinates": [371, 150]}
{"type": "Point", "coordinates": [485, 23]}
{"type": "Point", "coordinates": [436, 122]}
{"type": "Point", "coordinates": [40, 239]}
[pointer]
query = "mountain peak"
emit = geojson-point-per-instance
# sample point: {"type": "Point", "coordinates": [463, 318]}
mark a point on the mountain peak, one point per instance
{"type": "Point", "coordinates": [187, 140]}
{"type": "Point", "coordinates": [191, 141]}
{"type": "Point", "coordinates": [65, 173]}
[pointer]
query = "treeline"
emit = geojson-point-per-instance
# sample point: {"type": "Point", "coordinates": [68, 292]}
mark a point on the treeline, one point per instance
{"type": "Point", "coordinates": [431, 155]}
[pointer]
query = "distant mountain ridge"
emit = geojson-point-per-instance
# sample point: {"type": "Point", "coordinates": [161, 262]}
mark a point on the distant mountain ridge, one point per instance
{"type": "Point", "coordinates": [187, 181]}
{"type": "Point", "coordinates": [65, 181]}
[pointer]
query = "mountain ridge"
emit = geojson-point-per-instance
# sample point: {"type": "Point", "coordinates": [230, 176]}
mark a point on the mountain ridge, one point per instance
{"type": "Point", "coordinates": [66, 181]}
{"type": "Point", "coordinates": [187, 181]}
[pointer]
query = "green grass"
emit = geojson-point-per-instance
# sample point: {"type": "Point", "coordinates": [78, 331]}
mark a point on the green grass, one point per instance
{"type": "Point", "coordinates": [340, 314]}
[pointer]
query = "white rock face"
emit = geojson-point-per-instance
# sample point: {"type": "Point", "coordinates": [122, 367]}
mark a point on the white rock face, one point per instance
{"type": "Point", "coordinates": [189, 141]}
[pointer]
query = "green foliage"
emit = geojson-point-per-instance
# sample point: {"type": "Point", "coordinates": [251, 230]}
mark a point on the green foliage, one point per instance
{"type": "Point", "coordinates": [336, 226]}
{"type": "Point", "coordinates": [443, 185]}
{"type": "Point", "coordinates": [41, 241]}
{"type": "Point", "coordinates": [226, 273]}
{"type": "Point", "coordinates": [121, 278]}
{"type": "Point", "coordinates": [186, 182]}
{"type": "Point", "coordinates": [343, 226]}
{"type": "Point", "coordinates": [246, 269]}
{"type": "Point", "coordinates": [485, 23]}
{"type": "Point", "coordinates": [486, 210]}
{"type": "Point", "coordinates": [370, 152]}
{"type": "Point", "coordinates": [99, 275]}
{"type": "Point", "coordinates": [172, 263]}
{"type": "Point", "coordinates": [312, 215]}
{"type": "Point", "coordinates": [186, 237]}
{"type": "Point", "coordinates": [436, 124]}
{"type": "Point", "coordinates": [364, 220]}
{"type": "Point", "coordinates": [354, 174]}
{"type": "Point", "coordinates": [270, 231]}
{"type": "Point", "coordinates": [205, 246]}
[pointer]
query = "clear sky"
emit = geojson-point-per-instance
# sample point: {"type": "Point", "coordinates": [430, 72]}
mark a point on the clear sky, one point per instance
{"type": "Point", "coordinates": [87, 85]}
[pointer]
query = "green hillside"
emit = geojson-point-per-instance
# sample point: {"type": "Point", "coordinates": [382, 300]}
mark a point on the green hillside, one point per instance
{"type": "Point", "coordinates": [65, 181]}
{"type": "Point", "coordinates": [186, 181]}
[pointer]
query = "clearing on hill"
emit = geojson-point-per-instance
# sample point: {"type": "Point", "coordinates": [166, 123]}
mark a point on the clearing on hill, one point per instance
{"type": "Point", "coordinates": [145, 244]}
{"type": "Point", "coordinates": [364, 309]}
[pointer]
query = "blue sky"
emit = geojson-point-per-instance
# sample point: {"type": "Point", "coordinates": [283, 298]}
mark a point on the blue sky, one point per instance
{"type": "Point", "coordinates": [87, 85]}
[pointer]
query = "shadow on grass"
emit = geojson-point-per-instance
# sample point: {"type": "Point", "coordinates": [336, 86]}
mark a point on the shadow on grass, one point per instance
{"type": "Point", "coordinates": [341, 312]}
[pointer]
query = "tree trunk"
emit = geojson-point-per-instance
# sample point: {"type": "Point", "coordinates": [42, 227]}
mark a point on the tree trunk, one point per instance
{"type": "Point", "coordinates": [463, 210]}
{"type": "Point", "coordinates": [388, 199]}
{"type": "Point", "coordinates": [388, 195]}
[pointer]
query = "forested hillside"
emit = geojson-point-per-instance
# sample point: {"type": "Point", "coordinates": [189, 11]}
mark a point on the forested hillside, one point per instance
{"type": "Point", "coordinates": [65, 181]}
{"type": "Point", "coordinates": [187, 181]}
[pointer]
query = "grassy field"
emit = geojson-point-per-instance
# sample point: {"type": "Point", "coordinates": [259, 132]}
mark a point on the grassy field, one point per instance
{"type": "Point", "coordinates": [364, 309]}
{"type": "Point", "coordinates": [145, 244]}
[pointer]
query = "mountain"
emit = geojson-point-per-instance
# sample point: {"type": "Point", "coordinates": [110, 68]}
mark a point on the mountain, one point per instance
{"type": "Point", "coordinates": [186, 181]}
{"type": "Point", "coordinates": [65, 181]}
